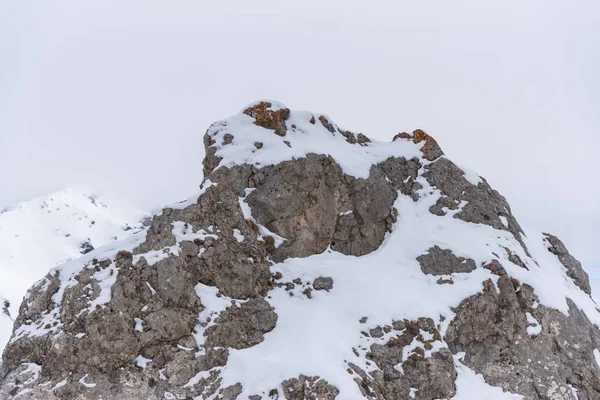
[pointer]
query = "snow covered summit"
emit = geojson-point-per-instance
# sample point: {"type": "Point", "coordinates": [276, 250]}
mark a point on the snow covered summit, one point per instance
{"type": "Point", "coordinates": [40, 233]}
{"type": "Point", "coordinates": [315, 263]}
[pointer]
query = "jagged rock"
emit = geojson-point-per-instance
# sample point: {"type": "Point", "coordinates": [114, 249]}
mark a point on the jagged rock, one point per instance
{"type": "Point", "coordinates": [86, 247]}
{"type": "Point", "coordinates": [5, 307]}
{"type": "Point", "coordinates": [492, 329]}
{"type": "Point", "coordinates": [173, 312]}
{"type": "Point", "coordinates": [431, 150]}
{"type": "Point", "coordinates": [308, 202]}
{"type": "Point", "coordinates": [323, 283]}
{"type": "Point", "coordinates": [423, 362]}
{"type": "Point", "coordinates": [308, 388]}
{"type": "Point", "coordinates": [574, 269]}
{"type": "Point", "coordinates": [242, 327]}
{"type": "Point", "coordinates": [444, 262]}
{"type": "Point", "coordinates": [267, 118]}
{"type": "Point", "coordinates": [482, 204]}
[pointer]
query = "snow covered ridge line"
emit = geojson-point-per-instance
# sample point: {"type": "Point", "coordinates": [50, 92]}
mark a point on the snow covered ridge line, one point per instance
{"type": "Point", "coordinates": [348, 271]}
{"type": "Point", "coordinates": [267, 133]}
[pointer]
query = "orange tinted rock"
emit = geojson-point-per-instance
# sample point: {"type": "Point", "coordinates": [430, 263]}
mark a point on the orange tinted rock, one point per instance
{"type": "Point", "coordinates": [328, 125]}
{"type": "Point", "coordinates": [267, 118]}
{"type": "Point", "coordinates": [431, 150]}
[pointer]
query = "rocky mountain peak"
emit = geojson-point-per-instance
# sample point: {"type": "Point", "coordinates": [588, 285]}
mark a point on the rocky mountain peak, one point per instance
{"type": "Point", "coordinates": [315, 263]}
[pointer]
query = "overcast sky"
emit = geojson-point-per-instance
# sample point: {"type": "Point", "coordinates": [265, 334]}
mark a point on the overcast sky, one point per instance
{"type": "Point", "coordinates": [116, 95]}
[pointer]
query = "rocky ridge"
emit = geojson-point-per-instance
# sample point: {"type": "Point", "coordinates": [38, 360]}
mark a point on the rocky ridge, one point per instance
{"type": "Point", "coordinates": [40, 233]}
{"type": "Point", "coordinates": [315, 263]}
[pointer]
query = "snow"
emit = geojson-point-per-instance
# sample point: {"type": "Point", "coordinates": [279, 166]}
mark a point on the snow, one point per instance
{"type": "Point", "coordinates": [192, 199]}
{"type": "Point", "coordinates": [306, 138]}
{"type": "Point", "coordinates": [574, 392]}
{"type": "Point", "coordinates": [388, 285]}
{"type": "Point", "coordinates": [67, 272]}
{"type": "Point", "coordinates": [470, 386]}
{"type": "Point", "coordinates": [238, 235]}
{"type": "Point", "coordinates": [383, 286]}
{"type": "Point", "coordinates": [326, 328]}
{"type": "Point", "coordinates": [504, 220]}
{"type": "Point", "coordinates": [214, 303]}
{"type": "Point", "coordinates": [38, 234]}
{"type": "Point", "coordinates": [534, 328]}
{"type": "Point", "coordinates": [199, 376]}
{"type": "Point", "coordinates": [138, 327]}
{"type": "Point", "coordinates": [262, 230]}
{"type": "Point", "coordinates": [60, 384]}
{"type": "Point", "coordinates": [183, 232]}
{"type": "Point", "coordinates": [141, 361]}
{"type": "Point", "coordinates": [413, 392]}
{"type": "Point", "coordinates": [33, 371]}
{"type": "Point", "coordinates": [84, 383]}
{"type": "Point", "coordinates": [152, 290]}
{"type": "Point", "coordinates": [105, 278]}
{"type": "Point", "coordinates": [471, 176]}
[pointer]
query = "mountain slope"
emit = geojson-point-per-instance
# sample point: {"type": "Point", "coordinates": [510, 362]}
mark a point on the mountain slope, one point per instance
{"type": "Point", "coordinates": [40, 233]}
{"type": "Point", "coordinates": [315, 264]}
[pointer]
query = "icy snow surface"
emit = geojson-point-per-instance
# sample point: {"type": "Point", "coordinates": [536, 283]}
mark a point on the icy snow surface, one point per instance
{"type": "Point", "coordinates": [306, 138]}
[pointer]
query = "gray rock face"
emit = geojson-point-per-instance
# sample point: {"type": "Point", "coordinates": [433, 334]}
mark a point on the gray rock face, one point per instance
{"type": "Point", "coordinates": [323, 283]}
{"type": "Point", "coordinates": [482, 204]}
{"type": "Point", "coordinates": [492, 329]}
{"type": "Point", "coordinates": [161, 319]}
{"type": "Point", "coordinates": [309, 388]}
{"type": "Point", "coordinates": [574, 269]}
{"type": "Point", "coordinates": [416, 372]}
{"type": "Point", "coordinates": [242, 327]}
{"type": "Point", "coordinates": [444, 262]}
{"type": "Point", "coordinates": [314, 205]}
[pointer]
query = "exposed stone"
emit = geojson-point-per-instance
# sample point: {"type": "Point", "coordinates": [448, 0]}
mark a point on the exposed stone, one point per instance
{"type": "Point", "coordinates": [362, 139]}
{"type": "Point", "coordinates": [155, 336]}
{"type": "Point", "coordinates": [495, 267]}
{"type": "Point", "coordinates": [86, 247]}
{"type": "Point", "coordinates": [308, 388]}
{"type": "Point", "coordinates": [323, 283]}
{"type": "Point", "coordinates": [242, 327]}
{"type": "Point", "coordinates": [350, 136]}
{"type": "Point", "coordinates": [267, 118]}
{"type": "Point", "coordinates": [574, 268]}
{"type": "Point", "coordinates": [431, 150]}
{"type": "Point", "coordinates": [328, 125]}
{"type": "Point", "coordinates": [433, 376]}
{"type": "Point", "coordinates": [227, 138]}
{"type": "Point", "coordinates": [304, 201]}
{"type": "Point", "coordinates": [491, 328]}
{"type": "Point", "coordinates": [444, 262]}
{"type": "Point", "coordinates": [482, 204]}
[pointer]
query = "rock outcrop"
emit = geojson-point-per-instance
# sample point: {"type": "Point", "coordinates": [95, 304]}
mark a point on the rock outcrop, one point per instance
{"type": "Point", "coordinates": [307, 268]}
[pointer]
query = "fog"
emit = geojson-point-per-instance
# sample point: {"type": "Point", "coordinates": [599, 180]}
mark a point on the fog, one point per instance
{"type": "Point", "coordinates": [116, 95]}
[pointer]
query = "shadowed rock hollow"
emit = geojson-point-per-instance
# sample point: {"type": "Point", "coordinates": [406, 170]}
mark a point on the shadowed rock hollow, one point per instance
{"type": "Point", "coordinates": [407, 274]}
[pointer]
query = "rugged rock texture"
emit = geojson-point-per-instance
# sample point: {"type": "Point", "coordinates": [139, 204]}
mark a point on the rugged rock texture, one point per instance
{"type": "Point", "coordinates": [575, 271]}
{"type": "Point", "coordinates": [444, 262]}
{"type": "Point", "coordinates": [411, 346]}
{"type": "Point", "coordinates": [161, 316]}
{"type": "Point", "coordinates": [492, 329]}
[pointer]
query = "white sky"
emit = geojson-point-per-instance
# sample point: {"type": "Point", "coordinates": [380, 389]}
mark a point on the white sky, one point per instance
{"type": "Point", "coordinates": [116, 95]}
